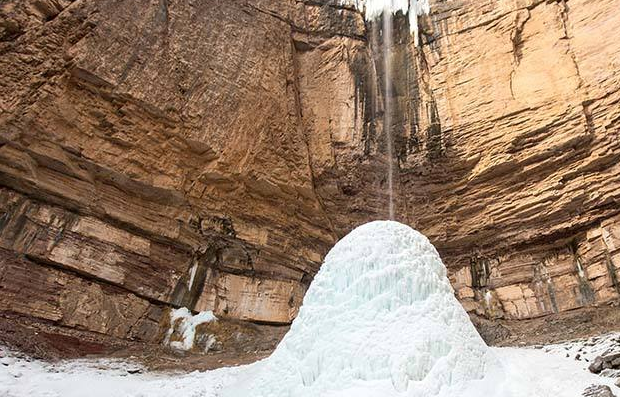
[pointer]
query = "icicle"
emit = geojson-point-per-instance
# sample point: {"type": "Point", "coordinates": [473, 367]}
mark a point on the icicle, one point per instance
{"type": "Point", "coordinates": [374, 8]}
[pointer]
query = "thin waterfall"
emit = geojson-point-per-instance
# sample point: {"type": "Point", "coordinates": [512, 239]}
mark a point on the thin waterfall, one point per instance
{"type": "Point", "coordinates": [387, 111]}
{"type": "Point", "coordinates": [373, 9]}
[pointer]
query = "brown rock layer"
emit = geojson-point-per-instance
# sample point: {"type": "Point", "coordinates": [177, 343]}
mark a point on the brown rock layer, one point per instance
{"type": "Point", "coordinates": [506, 134]}
{"type": "Point", "coordinates": [528, 102]}
{"type": "Point", "coordinates": [208, 154]}
{"type": "Point", "coordinates": [144, 149]}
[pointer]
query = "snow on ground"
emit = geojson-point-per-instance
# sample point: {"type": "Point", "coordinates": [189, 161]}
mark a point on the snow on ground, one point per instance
{"type": "Point", "coordinates": [527, 372]}
{"type": "Point", "coordinates": [587, 349]}
{"type": "Point", "coordinates": [534, 372]}
{"type": "Point", "coordinates": [103, 378]}
{"type": "Point", "coordinates": [380, 319]}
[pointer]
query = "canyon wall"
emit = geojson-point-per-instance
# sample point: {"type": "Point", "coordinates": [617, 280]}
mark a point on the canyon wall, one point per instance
{"type": "Point", "coordinates": [152, 156]}
{"type": "Point", "coordinates": [507, 139]}
{"type": "Point", "coordinates": [208, 154]}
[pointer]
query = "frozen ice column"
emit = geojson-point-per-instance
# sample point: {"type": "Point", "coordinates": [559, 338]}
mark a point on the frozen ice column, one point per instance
{"type": "Point", "coordinates": [379, 315]}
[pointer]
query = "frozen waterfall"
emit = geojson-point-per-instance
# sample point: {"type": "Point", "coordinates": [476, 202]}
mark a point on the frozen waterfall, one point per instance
{"type": "Point", "coordinates": [379, 317]}
{"type": "Point", "coordinates": [374, 8]}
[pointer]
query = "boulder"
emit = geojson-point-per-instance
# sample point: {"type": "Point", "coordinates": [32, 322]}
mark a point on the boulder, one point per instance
{"type": "Point", "coordinates": [609, 361]}
{"type": "Point", "coordinates": [598, 391]}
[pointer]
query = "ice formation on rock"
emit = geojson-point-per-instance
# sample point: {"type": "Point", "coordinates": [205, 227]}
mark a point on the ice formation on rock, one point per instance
{"type": "Point", "coordinates": [374, 8]}
{"type": "Point", "coordinates": [184, 323]}
{"type": "Point", "coordinates": [379, 315]}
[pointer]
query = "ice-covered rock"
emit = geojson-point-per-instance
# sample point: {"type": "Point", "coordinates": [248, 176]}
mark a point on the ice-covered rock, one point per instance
{"type": "Point", "coordinates": [183, 324]}
{"type": "Point", "coordinates": [379, 315]}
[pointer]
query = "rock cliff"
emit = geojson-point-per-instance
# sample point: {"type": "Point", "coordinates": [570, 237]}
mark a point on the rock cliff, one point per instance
{"type": "Point", "coordinates": [207, 154]}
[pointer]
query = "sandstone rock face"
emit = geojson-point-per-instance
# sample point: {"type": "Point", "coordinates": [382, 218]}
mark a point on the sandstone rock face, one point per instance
{"type": "Point", "coordinates": [156, 149]}
{"type": "Point", "coordinates": [529, 128]}
{"type": "Point", "coordinates": [208, 154]}
{"type": "Point", "coordinates": [506, 134]}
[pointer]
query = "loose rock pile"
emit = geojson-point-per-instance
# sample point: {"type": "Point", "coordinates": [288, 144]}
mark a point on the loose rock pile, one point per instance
{"type": "Point", "coordinates": [609, 361]}
{"type": "Point", "coordinates": [598, 391]}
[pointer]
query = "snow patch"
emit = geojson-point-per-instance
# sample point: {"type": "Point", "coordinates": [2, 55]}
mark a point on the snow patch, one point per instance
{"type": "Point", "coordinates": [184, 323]}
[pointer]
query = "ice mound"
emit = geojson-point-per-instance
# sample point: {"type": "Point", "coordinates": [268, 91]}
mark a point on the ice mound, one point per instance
{"type": "Point", "coordinates": [380, 318]}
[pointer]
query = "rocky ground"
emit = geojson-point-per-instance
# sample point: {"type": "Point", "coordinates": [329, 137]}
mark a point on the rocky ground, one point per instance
{"type": "Point", "coordinates": [242, 342]}
{"type": "Point", "coordinates": [574, 324]}
{"type": "Point", "coordinates": [239, 343]}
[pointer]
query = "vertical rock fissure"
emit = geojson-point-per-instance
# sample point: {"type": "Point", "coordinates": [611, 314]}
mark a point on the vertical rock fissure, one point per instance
{"type": "Point", "coordinates": [585, 289]}
{"type": "Point", "coordinates": [612, 269]}
{"type": "Point", "coordinates": [517, 43]}
{"type": "Point", "coordinates": [565, 25]}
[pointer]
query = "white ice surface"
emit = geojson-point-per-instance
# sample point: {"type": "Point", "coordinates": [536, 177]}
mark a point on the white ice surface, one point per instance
{"type": "Point", "coordinates": [379, 320]}
{"type": "Point", "coordinates": [380, 312]}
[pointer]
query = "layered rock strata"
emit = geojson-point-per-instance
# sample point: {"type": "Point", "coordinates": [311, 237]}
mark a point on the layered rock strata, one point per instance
{"type": "Point", "coordinates": [208, 154]}
{"type": "Point", "coordinates": [150, 160]}
{"type": "Point", "coordinates": [506, 135]}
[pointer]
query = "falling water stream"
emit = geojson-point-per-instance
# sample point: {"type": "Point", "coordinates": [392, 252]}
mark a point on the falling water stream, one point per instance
{"type": "Point", "coordinates": [373, 9]}
{"type": "Point", "coordinates": [387, 111]}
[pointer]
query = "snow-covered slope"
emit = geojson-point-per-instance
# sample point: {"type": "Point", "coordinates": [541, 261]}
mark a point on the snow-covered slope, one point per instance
{"type": "Point", "coordinates": [380, 313]}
